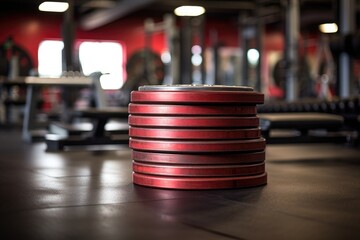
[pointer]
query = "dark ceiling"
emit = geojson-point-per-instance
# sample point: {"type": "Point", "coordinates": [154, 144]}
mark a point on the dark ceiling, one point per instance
{"type": "Point", "coordinates": [313, 12]}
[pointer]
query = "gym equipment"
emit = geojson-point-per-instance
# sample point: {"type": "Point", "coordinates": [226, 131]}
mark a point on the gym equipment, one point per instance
{"type": "Point", "coordinates": [33, 130]}
{"type": "Point", "coordinates": [302, 122]}
{"type": "Point", "coordinates": [194, 134]}
{"type": "Point", "coordinates": [212, 110]}
{"type": "Point", "coordinates": [198, 146]}
{"type": "Point", "coordinates": [191, 122]}
{"type": "Point", "coordinates": [191, 183]}
{"type": "Point", "coordinates": [198, 158]}
{"type": "Point", "coordinates": [194, 87]}
{"type": "Point", "coordinates": [346, 108]}
{"type": "Point", "coordinates": [15, 61]}
{"type": "Point", "coordinates": [193, 97]}
{"type": "Point", "coordinates": [198, 171]}
{"type": "Point", "coordinates": [97, 136]}
{"type": "Point", "coordinates": [138, 74]}
{"type": "Point", "coordinates": [196, 137]}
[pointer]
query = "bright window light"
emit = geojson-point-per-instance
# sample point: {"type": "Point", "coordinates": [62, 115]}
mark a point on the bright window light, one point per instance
{"type": "Point", "coordinates": [191, 11]}
{"type": "Point", "coordinates": [105, 57]}
{"type": "Point", "coordinates": [328, 28]}
{"type": "Point", "coordinates": [53, 6]}
{"type": "Point", "coordinates": [50, 58]}
{"type": "Point", "coordinates": [253, 56]}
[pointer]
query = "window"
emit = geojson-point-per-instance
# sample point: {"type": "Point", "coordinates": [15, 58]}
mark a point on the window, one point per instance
{"type": "Point", "coordinates": [50, 58]}
{"type": "Point", "coordinates": [106, 57]}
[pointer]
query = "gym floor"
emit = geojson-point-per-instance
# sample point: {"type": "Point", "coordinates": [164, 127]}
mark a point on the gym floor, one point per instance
{"type": "Point", "coordinates": [313, 192]}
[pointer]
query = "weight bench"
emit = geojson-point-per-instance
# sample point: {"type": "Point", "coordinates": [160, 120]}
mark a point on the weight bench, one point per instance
{"type": "Point", "coordinates": [304, 125]}
{"type": "Point", "coordinates": [98, 135]}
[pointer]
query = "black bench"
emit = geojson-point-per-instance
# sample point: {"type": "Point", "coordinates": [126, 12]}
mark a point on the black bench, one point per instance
{"type": "Point", "coordinates": [97, 135]}
{"type": "Point", "coordinates": [302, 123]}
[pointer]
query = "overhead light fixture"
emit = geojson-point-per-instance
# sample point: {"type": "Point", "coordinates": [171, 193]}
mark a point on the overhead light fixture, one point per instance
{"type": "Point", "coordinates": [53, 6]}
{"type": "Point", "coordinates": [190, 11]}
{"type": "Point", "coordinates": [328, 28]}
{"type": "Point", "coordinates": [253, 56]}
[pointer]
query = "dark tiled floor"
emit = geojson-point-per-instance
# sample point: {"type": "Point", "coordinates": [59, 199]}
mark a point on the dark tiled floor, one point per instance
{"type": "Point", "coordinates": [313, 192]}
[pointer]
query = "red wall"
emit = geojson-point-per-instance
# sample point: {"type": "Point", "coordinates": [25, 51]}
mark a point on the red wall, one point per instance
{"type": "Point", "coordinates": [29, 30]}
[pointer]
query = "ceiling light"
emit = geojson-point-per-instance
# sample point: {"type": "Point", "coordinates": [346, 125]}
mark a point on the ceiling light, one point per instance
{"type": "Point", "coordinates": [253, 56]}
{"type": "Point", "coordinates": [191, 11]}
{"type": "Point", "coordinates": [328, 28]}
{"type": "Point", "coordinates": [53, 6]}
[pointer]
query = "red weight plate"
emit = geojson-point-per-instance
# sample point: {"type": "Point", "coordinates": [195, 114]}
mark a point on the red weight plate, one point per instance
{"type": "Point", "coordinates": [188, 122]}
{"type": "Point", "coordinates": [208, 110]}
{"type": "Point", "coordinates": [198, 146]}
{"type": "Point", "coordinates": [193, 97]}
{"type": "Point", "coordinates": [199, 159]}
{"type": "Point", "coordinates": [199, 170]}
{"type": "Point", "coordinates": [192, 134]}
{"type": "Point", "coordinates": [193, 87]}
{"type": "Point", "coordinates": [191, 183]}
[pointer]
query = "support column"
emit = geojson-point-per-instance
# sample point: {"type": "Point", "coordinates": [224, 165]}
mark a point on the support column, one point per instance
{"type": "Point", "coordinates": [172, 39]}
{"type": "Point", "coordinates": [202, 45]}
{"type": "Point", "coordinates": [291, 49]}
{"type": "Point", "coordinates": [347, 26]}
{"type": "Point", "coordinates": [246, 34]}
{"type": "Point", "coordinates": [185, 53]}
{"type": "Point", "coordinates": [259, 46]}
{"type": "Point", "coordinates": [68, 35]}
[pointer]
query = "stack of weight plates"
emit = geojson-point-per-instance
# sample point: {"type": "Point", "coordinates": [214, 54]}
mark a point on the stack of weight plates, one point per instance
{"type": "Point", "coordinates": [196, 137]}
